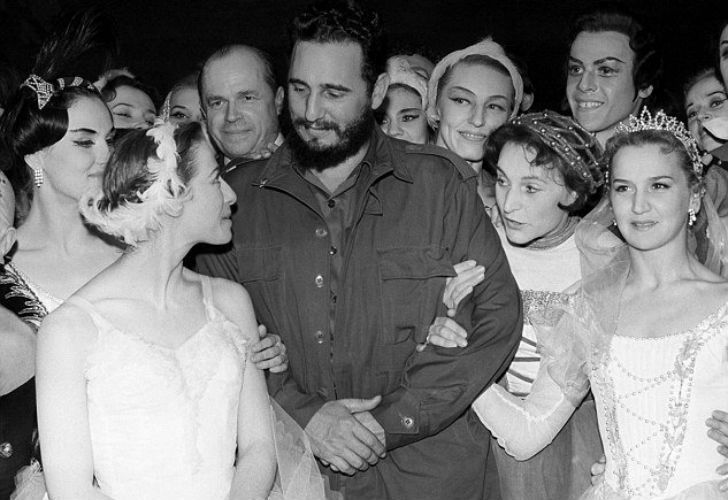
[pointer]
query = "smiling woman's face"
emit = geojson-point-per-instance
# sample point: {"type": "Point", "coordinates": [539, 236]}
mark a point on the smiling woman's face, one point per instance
{"type": "Point", "coordinates": [79, 158]}
{"type": "Point", "coordinates": [476, 100]}
{"type": "Point", "coordinates": [650, 195]}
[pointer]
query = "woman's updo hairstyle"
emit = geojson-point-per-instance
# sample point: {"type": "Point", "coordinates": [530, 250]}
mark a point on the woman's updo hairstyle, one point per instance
{"type": "Point", "coordinates": [35, 120]}
{"type": "Point", "coordinates": [560, 144]}
{"type": "Point", "coordinates": [147, 178]}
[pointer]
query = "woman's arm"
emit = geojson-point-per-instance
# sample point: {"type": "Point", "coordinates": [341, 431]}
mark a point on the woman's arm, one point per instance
{"type": "Point", "coordinates": [524, 427]}
{"type": "Point", "coordinates": [17, 352]}
{"type": "Point", "coordinates": [65, 439]}
{"type": "Point", "coordinates": [255, 465]}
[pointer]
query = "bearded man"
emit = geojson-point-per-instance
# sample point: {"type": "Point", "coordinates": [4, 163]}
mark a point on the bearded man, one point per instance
{"type": "Point", "coordinates": [344, 239]}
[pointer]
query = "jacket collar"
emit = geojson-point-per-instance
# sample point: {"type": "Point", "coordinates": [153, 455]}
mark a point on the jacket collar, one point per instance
{"type": "Point", "coordinates": [381, 157]}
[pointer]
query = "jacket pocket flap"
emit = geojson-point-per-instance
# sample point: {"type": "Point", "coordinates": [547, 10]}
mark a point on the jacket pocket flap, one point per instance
{"type": "Point", "coordinates": [259, 264]}
{"type": "Point", "coordinates": [414, 263]}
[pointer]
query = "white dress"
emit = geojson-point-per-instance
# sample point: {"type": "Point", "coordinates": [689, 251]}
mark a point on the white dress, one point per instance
{"type": "Point", "coordinates": [163, 422]}
{"type": "Point", "coordinates": [653, 397]}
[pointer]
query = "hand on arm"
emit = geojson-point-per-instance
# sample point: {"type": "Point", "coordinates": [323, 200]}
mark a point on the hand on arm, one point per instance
{"type": "Point", "coordinates": [63, 424]}
{"type": "Point", "coordinates": [17, 352]}
{"type": "Point", "coordinates": [718, 432]}
{"type": "Point", "coordinates": [597, 471]}
{"type": "Point", "coordinates": [445, 332]}
{"type": "Point", "coordinates": [438, 385]}
{"type": "Point", "coordinates": [340, 439]}
{"type": "Point", "coordinates": [269, 353]}
{"type": "Point", "coordinates": [456, 289]}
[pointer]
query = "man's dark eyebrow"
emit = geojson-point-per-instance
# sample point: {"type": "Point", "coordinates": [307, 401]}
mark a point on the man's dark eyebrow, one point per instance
{"type": "Point", "coordinates": [609, 59]}
{"type": "Point", "coordinates": [598, 61]}
{"type": "Point", "coordinates": [333, 86]}
{"type": "Point", "coordinates": [85, 130]}
{"type": "Point", "coordinates": [296, 81]}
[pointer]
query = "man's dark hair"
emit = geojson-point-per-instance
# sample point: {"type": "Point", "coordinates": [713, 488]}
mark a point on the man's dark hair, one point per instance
{"type": "Point", "coordinates": [334, 21]}
{"type": "Point", "coordinates": [266, 63]}
{"type": "Point", "coordinates": [647, 68]}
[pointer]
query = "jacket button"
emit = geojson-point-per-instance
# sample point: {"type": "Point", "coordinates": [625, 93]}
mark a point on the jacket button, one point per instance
{"type": "Point", "coordinates": [408, 422]}
{"type": "Point", "coordinates": [6, 450]}
{"type": "Point", "coordinates": [319, 280]}
{"type": "Point", "coordinates": [321, 232]}
{"type": "Point", "coordinates": [333, 250]}
{"type": "Point", "coordinates": [319, 336]}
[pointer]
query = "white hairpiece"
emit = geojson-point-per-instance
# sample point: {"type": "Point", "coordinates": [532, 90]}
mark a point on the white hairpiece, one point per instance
{"type": "Point", "coordinates": [486, 47]}
{"type": "Point", "coordinates": [400, 71]}
{"type": "Point", "coordinates": [132, 220]}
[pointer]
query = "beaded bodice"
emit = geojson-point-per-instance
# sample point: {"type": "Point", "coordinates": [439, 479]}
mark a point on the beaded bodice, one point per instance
{"type": "Point", "coordinates": [653, 396]}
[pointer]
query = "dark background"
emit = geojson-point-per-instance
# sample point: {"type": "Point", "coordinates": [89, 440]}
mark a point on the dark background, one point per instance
{"type": "Point", "coordinates": [162, 41]}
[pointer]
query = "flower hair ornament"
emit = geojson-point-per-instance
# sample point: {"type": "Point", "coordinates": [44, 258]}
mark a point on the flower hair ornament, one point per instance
{"type": "Point", "coordinates": [577, 147]}
{"type": "Point", "coordinates": [661, 121]}
{"type": "Point", "coordinates": [134, 216]}
{"type": "Point", "coordinates": [45, 90]}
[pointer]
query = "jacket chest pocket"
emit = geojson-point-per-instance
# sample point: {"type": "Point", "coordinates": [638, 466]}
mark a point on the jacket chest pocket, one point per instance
{"type": "Point", "coordinates": [261, 273]}
{"type": "Point", "coordinates": [412, 282]}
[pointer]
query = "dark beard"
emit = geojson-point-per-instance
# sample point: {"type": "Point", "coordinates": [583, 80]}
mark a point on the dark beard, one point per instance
{"type": "Point", "coordinates": [312, 156]}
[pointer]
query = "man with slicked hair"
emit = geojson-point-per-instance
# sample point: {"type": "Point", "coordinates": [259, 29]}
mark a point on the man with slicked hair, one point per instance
{"type": "Point", "coordinates": [240, 103]}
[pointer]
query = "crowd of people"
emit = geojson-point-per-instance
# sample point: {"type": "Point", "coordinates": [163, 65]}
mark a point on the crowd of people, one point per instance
{"type": "Point", "coordinates": [384, 277]}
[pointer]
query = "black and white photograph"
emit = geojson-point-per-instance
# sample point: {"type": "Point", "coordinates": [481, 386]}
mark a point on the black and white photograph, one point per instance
{"type": "Point", "coordinates": [363, 250]}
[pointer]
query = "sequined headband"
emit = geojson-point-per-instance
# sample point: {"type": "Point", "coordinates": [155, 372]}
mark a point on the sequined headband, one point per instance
{"type": "Point", "coordinates": [577, 147]}
{"type": "Point", "coordinates": [661, 121]}
{"type": "Point", "coordinates": [44, 90]}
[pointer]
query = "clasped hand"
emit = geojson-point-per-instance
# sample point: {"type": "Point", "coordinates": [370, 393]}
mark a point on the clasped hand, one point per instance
{"type": "Point", "coordinates": [445, 332]}
{"type": "Point", "coordinates": [345, 436]}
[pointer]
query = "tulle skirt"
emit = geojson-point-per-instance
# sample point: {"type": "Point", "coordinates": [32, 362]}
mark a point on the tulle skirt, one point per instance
{"type": "Point", "coordinates": [297, 476]}
{"type": "Point", "coordinates": [702, 491]}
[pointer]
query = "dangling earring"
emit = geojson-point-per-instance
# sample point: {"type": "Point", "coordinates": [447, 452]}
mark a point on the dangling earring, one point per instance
{"type": "Point", "coordinates": [614, 222]}
{"type": "Point", "coordinates": [691, 217]}
{"type": "Point", "coordinates": [38, 177]}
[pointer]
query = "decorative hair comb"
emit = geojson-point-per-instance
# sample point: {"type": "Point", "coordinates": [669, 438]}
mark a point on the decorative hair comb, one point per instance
{"type": "Point", "coordinates": [44, 90]}
{"type": "Point", "coordinates": [567, 139]}
{"type": "Point", "coordinates": [661, 121]}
